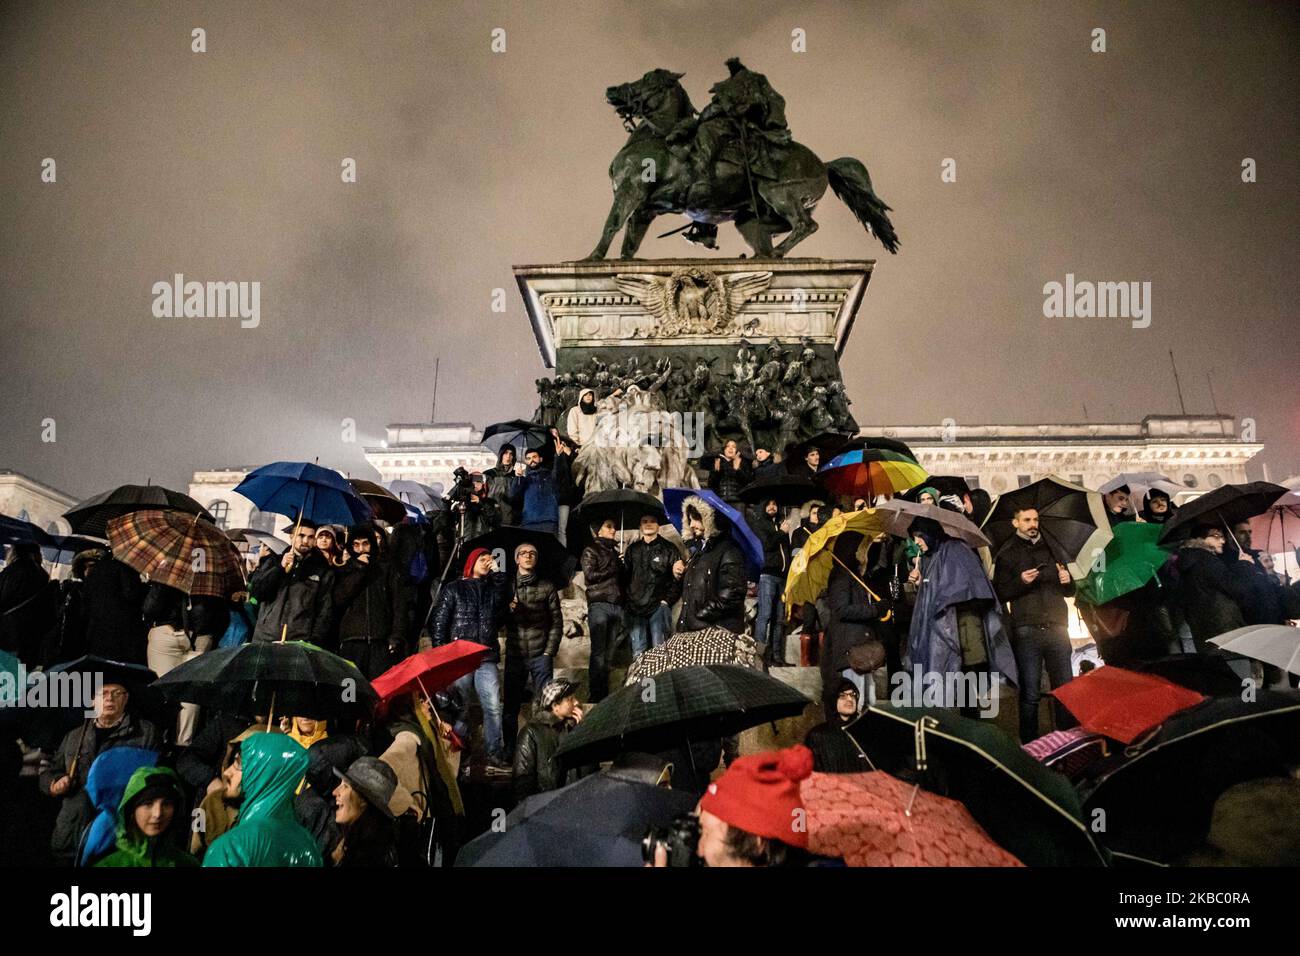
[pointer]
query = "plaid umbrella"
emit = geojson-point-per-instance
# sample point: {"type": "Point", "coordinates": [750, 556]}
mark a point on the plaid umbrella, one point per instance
{"type": "Point", "coordinates": [178, 550]}
{"type": "Point", "coordinates": [271, 677]}
{"type": "Point", "coordinates": [874, 819]}
{"type": "Point", "coordinates": [712, 645]}
{"type": "Point", "coordinates": [1029, 810]}
{"type": "Point", "coordinates": [676, 706]}
{"type": "Point", "coordinates": [874, 468]}
{"type": "Point", "coordinates": [92, 515]}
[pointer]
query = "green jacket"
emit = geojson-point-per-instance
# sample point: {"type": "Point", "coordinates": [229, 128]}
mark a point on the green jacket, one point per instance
{"type": "Point", "coordinates": [267, 832]}
{"type": "Point", "coordinates": [133, 847]}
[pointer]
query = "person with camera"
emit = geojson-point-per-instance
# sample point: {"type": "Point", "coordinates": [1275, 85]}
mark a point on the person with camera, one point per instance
{"type": "Point", "coordinates": [752, 815]}
{"type": "Point", "coordinates": [474, 609]}
{"type": "Point", "coordinates": [1029, 577]}
{"type": "Point", "coordinates": [472, 508]}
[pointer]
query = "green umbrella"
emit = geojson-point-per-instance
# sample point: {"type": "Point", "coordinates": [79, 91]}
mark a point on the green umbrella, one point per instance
{"type": "Point", "coordinates": [1130, 560]}
{"type": "Point", "coordinates": [1029, 810]}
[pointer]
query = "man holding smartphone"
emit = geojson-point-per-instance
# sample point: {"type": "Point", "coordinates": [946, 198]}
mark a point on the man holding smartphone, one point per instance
{"type": "Point", "coordinates": [1028, 576]}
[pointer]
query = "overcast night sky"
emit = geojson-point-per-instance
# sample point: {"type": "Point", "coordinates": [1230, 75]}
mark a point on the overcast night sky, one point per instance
{"type": "Point", "coordinates": [225, 165]}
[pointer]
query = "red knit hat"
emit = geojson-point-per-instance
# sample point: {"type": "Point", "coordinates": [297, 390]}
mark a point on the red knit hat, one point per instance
{"type": "Point", "coordinates": [760, 795]}
{"type": "Point", "coordinates": [469, 562]}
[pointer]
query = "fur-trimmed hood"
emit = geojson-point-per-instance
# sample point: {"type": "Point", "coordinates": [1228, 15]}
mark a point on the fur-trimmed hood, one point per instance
{"type": "Point", "coordinates": [708, 517]}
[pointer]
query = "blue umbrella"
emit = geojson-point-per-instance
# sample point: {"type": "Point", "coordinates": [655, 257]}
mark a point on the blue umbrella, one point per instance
{"type": "Point", "coordinates": [18, 531]}
{"type": "Point", "coordinates": [745, 539]}
{"type": "Point", "coordinates": [294, 488]}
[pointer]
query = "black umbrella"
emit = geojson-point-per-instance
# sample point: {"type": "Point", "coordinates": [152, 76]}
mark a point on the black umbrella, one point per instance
{"type": "Point", "coordinates": [554, 562]}
{"type": "Point", "coordinates": [662, 712]}
{"type": "Point", "coordinates": [1031, 811]}
{"type": "Point", "coordinates": [1223, 507]}
{"type": "Point", "coordinates": [518, 432]}
{"type": "Point", "coordinates": [385, 505]}
{"type": "Point", "coordinates": [944, 484]}
{"type": "Point", "coordinates": [72, 685]}
{"type": "Point", "coordinates": [18, 531]}
{"type": "Point", "coordinates": [1158, 795]}
{"type": "Point", "coordinates": [598, 821]}
{"type": "Point", "coordinates": [788, 490]}
{"type": "Point", "coordinates": [1207, 674]}
{"type": "Point", "coordinates": [92, 515]}
{"type": "Point", "coordinates": [828, 443]}
{"type": "Point", "coordinates": [273, 678]}
{"type": "Point", "coordinates": [623, 506]}
{"type": "Point", "coordinates": [1071, 519]}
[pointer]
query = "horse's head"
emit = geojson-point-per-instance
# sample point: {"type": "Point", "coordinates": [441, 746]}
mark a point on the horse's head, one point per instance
{"type": "Point", "coordinates": [649, 96]}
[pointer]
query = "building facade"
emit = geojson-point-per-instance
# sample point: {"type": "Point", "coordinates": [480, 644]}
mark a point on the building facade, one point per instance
{"type": "Point", "coordinates": [430, 452]}
{"type": "Point", "coordinates": [27, 499]}
{"type": "Point", "coordinates": [215, 490]}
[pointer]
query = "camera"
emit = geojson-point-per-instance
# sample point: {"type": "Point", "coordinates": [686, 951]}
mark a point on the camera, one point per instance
{"type": "Point", "coordinates": [464, 487]}
{"type": "Point", "coordinates": [681, 838]}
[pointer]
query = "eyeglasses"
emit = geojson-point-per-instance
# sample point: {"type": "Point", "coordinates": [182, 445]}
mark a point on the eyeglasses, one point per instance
{"type": "Point", "coordinates": [114, 694]}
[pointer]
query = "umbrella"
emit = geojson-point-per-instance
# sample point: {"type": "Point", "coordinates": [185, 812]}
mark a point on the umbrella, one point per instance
{"type": "Point", "coordinates": [263, 538]}
{"type": "Point", "coordinates": [1275, 644]}
{"type": "Point", "coordinates": [1131, 559]}
{"type": "Point", "coordinates": [741, 534]}
{"type": "Point", "coordinates": [828, 443]}
{"type": "Point", "coordinates": [1157, 797]}
{"type": "Point", "coordinates": [787, 490]}
{"type": "Point", "coordinates": [1123, 704]}
{"type": "Point", "coordinates": [871, 467]}
{"type": "Point", "coordinates": [874, 819]}
{"type": "Point", "coordinates": [385, 505]}
{"type": "Point", "coordinates": [597, 821]}
{"type": "Point", "coordinates": [92, 515]}
{"type": "Point", "coordinates": [690, 703]}
{"type": "Point", "coordinates": [1277, 529]}
{"type": "Point", "coordinates": [18, 531]}
{"type": "Point", "coordinates": [430, 670]}
{"type": "Point", "coordinates": [1224, 506]}
{"type": "Point", "coordinates": [1142, 483]}
{"type": "Point", "coordinates": [178, 550]}
{"type": "Point", "coordinates": [624, 506]}
{"type": "Point", "coordinates": [299, 488]}
{"type": "Point", "coordinates": [1207, 674]}
{"type": "Point", "coordinates": [518, 433]}
{"type": "Point", "coordinates": [269, 677]}
{"type": "Point", "coordinates": [1030, 811]}
{"type": "Point", "coordinates": [553, 560]}
{"type": "Point", "coordinates": [416, 493]}
{"type": "Point", "coordinates": [810, 569]}
{"type": "Point", "coordinates": [954, 523]}
{"type": "Point", "coordinates": [713, 645]}
{"type": "Point", "coordinates": [63, 546]}
{"type": "Point", "coordinates": [944, 484]}
{"type": "Point", "coordinates": [1071, 519]}
{"type": "Point", "coordinates": [79, 680]}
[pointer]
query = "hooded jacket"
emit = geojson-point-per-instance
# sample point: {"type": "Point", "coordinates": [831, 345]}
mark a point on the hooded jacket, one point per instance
{"type": "Point", "coordinates": [602, 570]}
{"type": "Point", "coordinates": [133, 847]}
{"type": "Point", "coordinates": [105, 784]}
{"type": "Point", "coordinates": [370, 602]}
{"type": "Point", "coordinates": [580, 425]}
{"type": "Point", "coordinates": [650, 574]}
{"type": "Point", "coordinates": [472, 609]}
{"type": "Point", "coordinates": [714, 584]}
{"type": "Point", "coordinates": [267, 832]}
{"type": "Point", "coordinates": [301, 598]}
{"type": "Point", "coordinates": [536, 625]}
{"type": "Point", "coordinates": [502, 484]}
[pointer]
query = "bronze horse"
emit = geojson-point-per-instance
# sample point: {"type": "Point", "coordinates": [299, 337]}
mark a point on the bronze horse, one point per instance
{"type": "Point", "coordinates": [650, 180]}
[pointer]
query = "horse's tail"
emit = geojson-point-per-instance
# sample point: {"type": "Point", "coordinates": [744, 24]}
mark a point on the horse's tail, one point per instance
{"type": "Point", "coordinates": [852, 183]}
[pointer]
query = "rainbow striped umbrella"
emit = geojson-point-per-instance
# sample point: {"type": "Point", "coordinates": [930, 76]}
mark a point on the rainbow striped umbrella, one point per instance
{"type": "Point", "coordinates": [872, 467]}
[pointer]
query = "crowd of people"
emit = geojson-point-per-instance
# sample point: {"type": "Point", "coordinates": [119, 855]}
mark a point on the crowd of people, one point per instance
{"type": "Point", "coordinates": [400, 789]}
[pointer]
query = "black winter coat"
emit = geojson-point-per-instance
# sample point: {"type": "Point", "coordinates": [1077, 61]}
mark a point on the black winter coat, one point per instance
{"type": "Point", "coordinates": [1210, 595]}
{"type": "Point", "coordinates": [302, 598]}
{"type": "Point", "coordinates": [370, 602]}
{"type": "Point", "coordinates": [713, 587]}
{"type": "Point", "coordinates": [472, 609]}
{"type": "Point", "coordinates": [112, 598]}
{"type": "Point", "coordinates": [851, 611]}
{"type": "Point", "coordinates": [650, 574]}
{"type": "Point", "coordinates": [28, 605]}
{"type": "Point", "coordinates": [727, 481]}
{"type": "Point", "coordinates": [776, 545]}
{"type": "Point", "coordinates": [602, 570]}
{"type": "Point", "coordinates": [535, 625]}
{"type": "Point", "coordinates": [1042, 602]}
{"type": "Point", "coordinates": [536, 769]}
{"type": "Point", "coordinates": [833, 751]}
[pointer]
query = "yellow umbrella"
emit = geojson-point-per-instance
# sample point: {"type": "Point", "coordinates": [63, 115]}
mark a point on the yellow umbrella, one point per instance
{"type": "Point", "coordinates": [811, 568]}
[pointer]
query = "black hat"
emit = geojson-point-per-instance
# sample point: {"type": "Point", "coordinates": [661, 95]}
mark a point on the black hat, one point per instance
{"type": "Point", "coordinates": [374, 780]}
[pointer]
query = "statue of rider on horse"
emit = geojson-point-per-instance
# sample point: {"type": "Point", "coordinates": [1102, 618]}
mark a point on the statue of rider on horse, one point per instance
{"type": "Point", "coordinates": [734, 161]}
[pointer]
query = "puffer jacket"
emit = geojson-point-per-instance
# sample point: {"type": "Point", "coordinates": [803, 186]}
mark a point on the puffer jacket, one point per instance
{"type": "Point", "coordinates": [535, 625]}
{"type": "Point", "coordinates": [714, 584]}
{"type": "Point", "coordinates": [267, 833]}
{"type": "Point", "coordinates": [1211, 596]}
{"type": "Point", "coordinates": [650, 574]}
{"type": "Point", "coordinates": [602, 570]}
{"type": "Point", "coordinates": [472, 609]}
{"type": "Point", "coordinates": [536, 770]}
{"type": "Point", "coordinates": [301, 598]}
{"type": "Point", "coordinates": [727, 481]}
{"type": "Point", "coordinates": [77, 810]}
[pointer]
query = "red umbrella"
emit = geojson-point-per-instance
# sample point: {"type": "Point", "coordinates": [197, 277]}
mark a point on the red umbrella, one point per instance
{"type": "Point", "coordinates": [1123, 704]}
{"type": "Point", "coordinates": [429, 670]}
{"type": "Point", "coordinates": [875, 819]}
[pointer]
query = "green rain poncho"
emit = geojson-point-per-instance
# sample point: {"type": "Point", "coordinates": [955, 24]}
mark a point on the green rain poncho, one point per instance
{"type": "Point", "coordinates": [133, 847]}
{"type": "Point", "coordinates": [267, 833]}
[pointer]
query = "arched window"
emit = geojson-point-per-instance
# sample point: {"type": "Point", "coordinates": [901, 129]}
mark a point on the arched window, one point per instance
{"type": "Point", "coordinates": [220, 511]}
{"type": "Point", "coordinates": [1190, 481]}
{"type": "Point", "coordinates": [1215, 480]}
